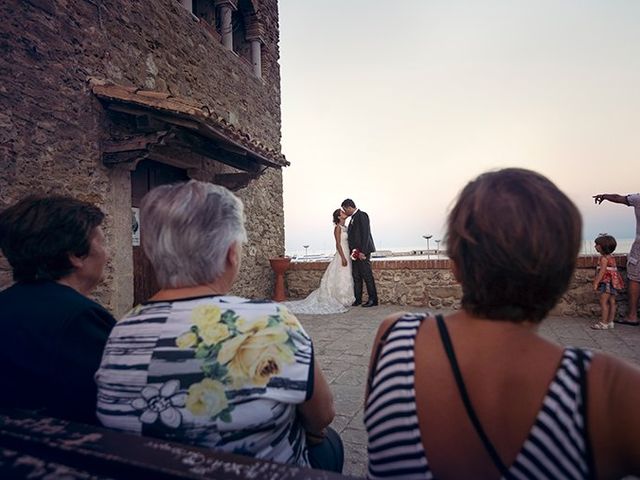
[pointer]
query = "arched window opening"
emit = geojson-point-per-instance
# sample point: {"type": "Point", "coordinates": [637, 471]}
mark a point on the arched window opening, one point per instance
{"type": "Point", "coordinates": [205, 10]}
{"type": "Point", "coordinates": [236, 23]}
{"type": "Point", "coordinates": [240, 44]}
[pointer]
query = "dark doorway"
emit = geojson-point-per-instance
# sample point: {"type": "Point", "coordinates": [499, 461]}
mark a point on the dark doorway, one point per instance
{"type": "Point", "coordinates": [147, 175]}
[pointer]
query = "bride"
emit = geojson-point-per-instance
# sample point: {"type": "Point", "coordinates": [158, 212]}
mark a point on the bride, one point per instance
{"type": "Point", "coordinates": [336, 287]}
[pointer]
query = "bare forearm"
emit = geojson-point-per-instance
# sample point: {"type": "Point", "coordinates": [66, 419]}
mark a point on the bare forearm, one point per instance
{"type": "Point", "coordinates": [336, 234]}
{"type": "Point", "coordinates": [610, 197]}
{"type": "Point", "coordinates": [318, 412]}
{"type": "Point", "coordinates": [598, 278]}
{"type": "Point", "coordinates": [600, 274]}
{"type": "Point", "coordinates": [318, 422]}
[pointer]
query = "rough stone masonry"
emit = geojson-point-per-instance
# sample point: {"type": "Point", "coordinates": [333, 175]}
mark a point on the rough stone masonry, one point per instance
{"type": "Point", "coordinates": [53, 129]}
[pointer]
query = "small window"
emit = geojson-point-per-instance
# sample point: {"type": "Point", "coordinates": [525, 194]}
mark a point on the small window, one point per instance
{"type": "Point", "coordinates": [205, 10]}
{"type": "Point", "coordinates": [240, 44]}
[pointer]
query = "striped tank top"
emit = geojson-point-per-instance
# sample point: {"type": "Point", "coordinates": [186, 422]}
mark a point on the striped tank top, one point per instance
{"type": "Point", "coordinates": [557, 445]}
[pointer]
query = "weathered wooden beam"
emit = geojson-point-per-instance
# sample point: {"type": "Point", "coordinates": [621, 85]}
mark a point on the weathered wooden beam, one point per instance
{"type": "Point", "coordinates": [175, 155]}
{"type": "Point", "coordinates": [148, 123]}
{"type": "Point", "coordinates": [182, 134]}
{"type": "Point", "coordinates": [129, 157]}
{"type": "Point", "coordinates": [135, 142]}
{"type": "Point", "coordinates": [218, 151]}
{"type": "Point", "coordinates": [151, 109]}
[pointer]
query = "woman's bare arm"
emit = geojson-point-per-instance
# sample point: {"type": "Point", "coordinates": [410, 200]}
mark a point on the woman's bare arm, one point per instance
{"type": "Point", "coordinates": [614, 387]}
{"type": "Point", "coordinates": [318, 412]}
{"type": "Point", "coordinates": [611, 197]}
{"type": "Point", "coordinates": [601, 272]}
{"type": "Point", "coordinates": [336, 234]}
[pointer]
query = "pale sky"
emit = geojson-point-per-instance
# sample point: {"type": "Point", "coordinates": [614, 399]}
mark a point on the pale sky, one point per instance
{"type": "Point", "coordinates": [397, 105]}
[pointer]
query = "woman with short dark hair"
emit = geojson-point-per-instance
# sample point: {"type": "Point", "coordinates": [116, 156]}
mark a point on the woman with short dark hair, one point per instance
{"type": "Point", "coordinates": [478, 393]}
{"type": "Point", "coordinates": [52, 334]}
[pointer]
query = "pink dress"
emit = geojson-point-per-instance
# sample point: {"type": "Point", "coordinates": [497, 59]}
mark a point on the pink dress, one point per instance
{"type": "Point", "coordinates": [612, 277]}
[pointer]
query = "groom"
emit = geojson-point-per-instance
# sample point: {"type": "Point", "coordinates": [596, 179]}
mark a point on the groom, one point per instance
{"type": "Point", "coordinates": [360, 239]}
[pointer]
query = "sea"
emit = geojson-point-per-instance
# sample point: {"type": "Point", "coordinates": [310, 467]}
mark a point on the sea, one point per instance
{"type": "Point", "coordinates": [416, 252]}
{"type": "Point", "coordinates": [624, 246]}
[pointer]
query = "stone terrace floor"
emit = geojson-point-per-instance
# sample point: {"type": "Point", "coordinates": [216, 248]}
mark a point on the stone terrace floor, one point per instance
{"type": "Point", "coordinates": [343, 343]}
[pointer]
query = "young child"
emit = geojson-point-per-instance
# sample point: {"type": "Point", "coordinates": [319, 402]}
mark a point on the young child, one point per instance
{"type": "Point", "coordinates": [608, 281]}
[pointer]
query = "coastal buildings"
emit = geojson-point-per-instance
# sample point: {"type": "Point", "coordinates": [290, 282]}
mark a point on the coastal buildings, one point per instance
{"type": "Point", "coordinates": [103, 100]}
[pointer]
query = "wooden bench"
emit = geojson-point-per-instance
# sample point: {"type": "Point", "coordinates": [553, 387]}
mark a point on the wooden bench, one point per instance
{"type": "Point", "coordinates": [36, 446]}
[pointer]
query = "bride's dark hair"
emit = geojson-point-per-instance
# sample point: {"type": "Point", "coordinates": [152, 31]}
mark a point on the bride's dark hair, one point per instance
{"type": "Point", "coordinates": [336, 216]}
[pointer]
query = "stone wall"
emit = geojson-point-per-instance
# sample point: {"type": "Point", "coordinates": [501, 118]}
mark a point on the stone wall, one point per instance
{"type": "Point", "coordinates": [52, 127]}
{"type": "Point", "coordinates": [430, 284]}
{"type": "Point", "coordinates": [265, 229]}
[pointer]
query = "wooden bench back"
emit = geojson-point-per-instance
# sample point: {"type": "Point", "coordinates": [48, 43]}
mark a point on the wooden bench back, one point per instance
{"type": "Point", "coordinates": [35, 446]}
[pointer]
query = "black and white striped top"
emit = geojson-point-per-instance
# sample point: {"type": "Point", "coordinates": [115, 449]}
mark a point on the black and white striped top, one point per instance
{"type": "Point", "coordinates": [556, 446]}
{"type": "Point", "coordinates": [220, 372]}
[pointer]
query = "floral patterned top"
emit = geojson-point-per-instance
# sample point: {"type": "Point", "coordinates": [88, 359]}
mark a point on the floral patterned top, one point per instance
{"type": "Point", "coordinates": [612, 276]}
{"type": "Point", "coordinates": [221, 372]}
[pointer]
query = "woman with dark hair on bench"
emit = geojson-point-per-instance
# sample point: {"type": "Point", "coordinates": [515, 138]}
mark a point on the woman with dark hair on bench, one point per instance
{"type": "Point", "coordinates": [478, 393]}
{"type": "Point", "coordinates": [51, 333]}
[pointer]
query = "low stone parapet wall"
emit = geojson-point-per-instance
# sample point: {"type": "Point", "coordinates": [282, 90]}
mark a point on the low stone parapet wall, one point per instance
{"type": "Point", "coordinates": [430, 284]}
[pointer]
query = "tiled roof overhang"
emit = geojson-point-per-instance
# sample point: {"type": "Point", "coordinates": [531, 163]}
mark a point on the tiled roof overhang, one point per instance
{"type": "Point", "coordinates": [216, 138]}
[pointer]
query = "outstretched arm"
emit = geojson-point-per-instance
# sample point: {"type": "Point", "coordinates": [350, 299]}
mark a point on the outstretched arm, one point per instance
{"type": "Point", "coordinates": [611, 197]}
{"type": "Point", "coordinates": [336, 234]}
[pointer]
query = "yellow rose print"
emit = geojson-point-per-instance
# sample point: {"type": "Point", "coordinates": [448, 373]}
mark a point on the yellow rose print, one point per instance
{"type": "Point", "coordinates": [204, 315]}
{"type": "Point", "coordinates": [230, 347]}
{"type": "Point", "coordinates": [246, 327]}
{"type": "Point", "coordinates": [289, 319]}
{"type": "Point", "coordinates": [207, 397]}
{"type": "Point", "coordinates": [187, 340]}
{"type": "Point", "coordinates": [256, 357]}
{"type": "Point", "coordinates": [212, 334]}
{"type": "Point", "coordinates": [266, 363]}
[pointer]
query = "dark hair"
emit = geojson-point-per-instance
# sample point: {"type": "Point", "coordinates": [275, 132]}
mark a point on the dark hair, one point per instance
{"type": "Point", "coordinates": [514, 238]}
{"type": "Point", "coordinates": [38, 234]}
{"type": "Point", "coordinates": [607, 243]}
{"type": "Point", "coordinates": [336, 215]}
{"type": "Point", "coordinates": [348, 203]}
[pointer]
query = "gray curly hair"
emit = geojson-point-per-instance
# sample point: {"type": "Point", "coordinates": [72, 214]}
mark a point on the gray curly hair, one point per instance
{"type": "Point", "coordinates": [187, 229]}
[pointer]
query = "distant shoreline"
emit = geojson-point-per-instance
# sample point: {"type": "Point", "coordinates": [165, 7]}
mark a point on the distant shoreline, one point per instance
{"type": "Point", "coordinates": [624, 246]}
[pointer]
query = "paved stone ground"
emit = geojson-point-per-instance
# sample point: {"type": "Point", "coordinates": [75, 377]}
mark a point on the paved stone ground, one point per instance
{"type": "Point", "coordinates": [343, 344]}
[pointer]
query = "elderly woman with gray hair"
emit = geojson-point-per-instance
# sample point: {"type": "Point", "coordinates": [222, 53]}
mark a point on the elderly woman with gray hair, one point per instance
{"type": "Point", "coordinates": [194, 364]}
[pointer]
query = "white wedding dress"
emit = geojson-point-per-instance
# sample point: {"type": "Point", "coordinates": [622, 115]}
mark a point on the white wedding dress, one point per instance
{"type": "Point", "coordinates": [335, 294]}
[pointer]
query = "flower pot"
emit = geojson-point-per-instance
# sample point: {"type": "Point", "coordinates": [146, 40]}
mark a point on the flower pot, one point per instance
{"type": "Point", "coordinates": [279, 265]}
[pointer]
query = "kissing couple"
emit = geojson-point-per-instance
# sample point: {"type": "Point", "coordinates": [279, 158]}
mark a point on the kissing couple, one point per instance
{"type": "Point", "coordinates": [341, 284]}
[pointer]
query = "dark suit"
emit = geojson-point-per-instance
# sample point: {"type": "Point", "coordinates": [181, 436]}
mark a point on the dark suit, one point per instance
{"type": "Point", "coordinates": [360, 237]}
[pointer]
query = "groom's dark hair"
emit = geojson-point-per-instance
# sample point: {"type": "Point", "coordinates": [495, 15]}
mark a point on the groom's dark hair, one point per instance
{"type": "Point", "coordinates": [348, 203]}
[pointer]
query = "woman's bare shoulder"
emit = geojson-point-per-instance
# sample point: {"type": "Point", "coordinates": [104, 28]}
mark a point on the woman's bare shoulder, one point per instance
{"type": "Point", "coordinates": [614, 374]}
{"type": "Point", "coordinates": [614, 389]}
